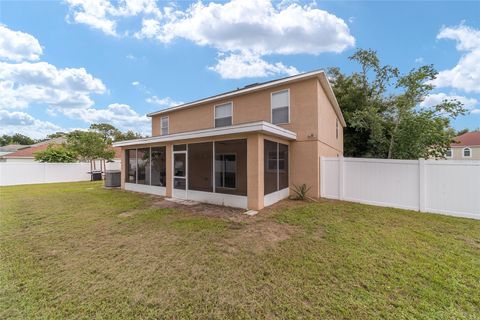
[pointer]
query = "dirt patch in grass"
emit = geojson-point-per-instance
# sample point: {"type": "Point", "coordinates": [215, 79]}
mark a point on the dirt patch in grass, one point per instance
{"type": "Point", "coordinates": [258, 237]}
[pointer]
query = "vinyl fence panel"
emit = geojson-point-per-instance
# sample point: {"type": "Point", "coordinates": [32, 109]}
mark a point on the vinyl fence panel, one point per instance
{"type": "Point", "coordinates": [439, 186]}
{"type": "Point", "coordinates": [15, 173]}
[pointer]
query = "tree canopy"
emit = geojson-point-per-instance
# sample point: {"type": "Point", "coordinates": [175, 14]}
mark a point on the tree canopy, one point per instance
{"type": "Point", "coordinates": [56, 153]}
{"type": "Point", "coordinates": [89, 145]}
{"type": "Point", "coordinates": [16, 138]}
{"type": "Point", "coordinates": [382, 109]}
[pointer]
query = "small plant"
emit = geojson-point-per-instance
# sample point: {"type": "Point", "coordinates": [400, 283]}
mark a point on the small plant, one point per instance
{"type": "Point", "coordinates": [300, 191]}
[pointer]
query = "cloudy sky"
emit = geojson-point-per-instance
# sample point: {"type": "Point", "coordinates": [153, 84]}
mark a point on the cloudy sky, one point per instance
{"type": "Point", "coordinates": [67, 64]}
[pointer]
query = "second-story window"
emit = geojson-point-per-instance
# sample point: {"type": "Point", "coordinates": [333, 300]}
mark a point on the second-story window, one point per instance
{"type": "Point", "coordinates": [164, 126]}
{"type": "Point", "coordinates": [280, 107]}
{"type": "Point", "coordinates": [223, 115]}
{"type": "Point", "coordinates": [467, 152]}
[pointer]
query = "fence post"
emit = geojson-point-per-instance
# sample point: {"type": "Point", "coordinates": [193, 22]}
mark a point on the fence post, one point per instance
{"type": "Point", "coordinates": [421, 186]}
{"type": "Point", "coordinates": [341, 168]}
{"type": "Point", "coordinates": [322, 177]}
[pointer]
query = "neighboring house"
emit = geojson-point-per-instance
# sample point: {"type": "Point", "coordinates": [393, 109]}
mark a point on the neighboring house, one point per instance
{"type": "Point", "coordinates": [27, 153]}
{"type": "Point", "coordinates": [465, 147]}
{"type": "Point", "coordinates": [10, 148]}
{"type": "Point", "coordinates": [244, 148]}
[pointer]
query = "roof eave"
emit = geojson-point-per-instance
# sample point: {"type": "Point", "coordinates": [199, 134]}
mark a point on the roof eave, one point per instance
{"type": "Point", "coordinates": [303, 76]}
{"type": "Point", "coordinates": [259, 126]}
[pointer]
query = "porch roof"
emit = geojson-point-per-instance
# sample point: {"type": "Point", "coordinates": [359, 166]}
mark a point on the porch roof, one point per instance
{"type": "Point", "coordinates": [259, 126]}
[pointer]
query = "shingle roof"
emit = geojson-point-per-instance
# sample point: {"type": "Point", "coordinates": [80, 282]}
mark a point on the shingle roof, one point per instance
{"type": "Point", "coordinates": [467, 139]}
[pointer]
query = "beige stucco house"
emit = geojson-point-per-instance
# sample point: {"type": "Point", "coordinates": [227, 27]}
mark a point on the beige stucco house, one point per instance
{"type": "Point", "coordinates": [243, 148]}
{"type": "Point", "coordinates": [465, 147]}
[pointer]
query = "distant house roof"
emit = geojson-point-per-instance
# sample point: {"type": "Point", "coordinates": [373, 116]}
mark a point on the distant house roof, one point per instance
{"type": "Point", "coordinates": [467, 139]}
{"type": "Point", "coordinates": [28, 152]}
{"type": "Point", "coordinates": [13, 147]}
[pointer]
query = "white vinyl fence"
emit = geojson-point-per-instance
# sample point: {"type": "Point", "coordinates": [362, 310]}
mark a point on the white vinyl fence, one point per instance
{"type": "Point", "coordinates": [439, 186]}
{"type": "Point", "coordinates": [14, 173]}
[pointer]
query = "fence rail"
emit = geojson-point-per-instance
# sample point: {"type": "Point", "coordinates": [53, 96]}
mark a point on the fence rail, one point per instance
{"type": "Point", "coordinates": [438, 186]}
{"type": "Point", "coordinates": [15, 173]}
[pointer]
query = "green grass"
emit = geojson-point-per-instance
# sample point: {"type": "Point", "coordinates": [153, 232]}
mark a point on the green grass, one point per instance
{"type": "Point", "coordinates": [82, 252]}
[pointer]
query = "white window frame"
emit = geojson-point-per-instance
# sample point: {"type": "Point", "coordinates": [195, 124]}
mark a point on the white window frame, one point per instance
{"type": "Point", "coordinates": [451, 153]}
{"type": "Point", "coordinates": [463, 152]}
{"type": "Point", "coordinates": [161, 125]}
{"type": "Point", "coordinates": [215, 113]}
{"type": "Point", "coordinates": [271, 106]}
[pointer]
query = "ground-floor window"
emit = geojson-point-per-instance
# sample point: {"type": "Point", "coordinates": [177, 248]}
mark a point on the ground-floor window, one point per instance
{"type": "Point", "coordinates": [146, 166]}
{"type": "Point", "coordinates": [275, 166]}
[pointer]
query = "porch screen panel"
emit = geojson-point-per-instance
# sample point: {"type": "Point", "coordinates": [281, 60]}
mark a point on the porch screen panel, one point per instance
{"type": "Point", "coordinates": [143, 166]}
{"type": "Point", "coordinates": [231, 167]}
{"type": "Point", "coordinates": [200, 166]}
{"type": "Point", "coordinates": [270, 166]}
{"type": "Point", "coordinates": [159, 170]}
{"type": "Point", "coordinates": [131, 165]}
{"type": "Point", "coordinates": [282, 166]}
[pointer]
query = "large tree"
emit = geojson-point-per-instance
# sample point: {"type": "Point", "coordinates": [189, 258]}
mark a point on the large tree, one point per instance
{"type": "Point", "coordinates": [89, 145]}
{"type": "Point", "coordinates": [382, 109]}
{"type": "Point", "coordinates": [17, 138]}
{"type": "Point", "coordinates": [112, 134]}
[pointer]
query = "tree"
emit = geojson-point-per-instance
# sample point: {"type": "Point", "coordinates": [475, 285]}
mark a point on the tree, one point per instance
{"type": "Point", "coordinates": [112, 134]}
{"type": "Point", "coordinates": [89, 145]}
{"type": "Point", "coordinates": [129, 135]}
{"type": "Point", "coordinates": [56, 153]}
{"type": "Point", "coordinates": [58, 134]}
{"type": "Point", "coordinates": [383, 113]}
{"type": "Point", "coordinates": [17, 138]}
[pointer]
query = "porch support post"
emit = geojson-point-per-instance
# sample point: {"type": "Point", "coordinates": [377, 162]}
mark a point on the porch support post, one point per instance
{"type": "Point", "coordinates": [255, 171]}
{"type": "Point", "coordinates": [169, 169]}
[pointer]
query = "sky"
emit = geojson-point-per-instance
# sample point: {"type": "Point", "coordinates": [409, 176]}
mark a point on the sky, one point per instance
{"type": "Point", "coordinates": [67, 64]}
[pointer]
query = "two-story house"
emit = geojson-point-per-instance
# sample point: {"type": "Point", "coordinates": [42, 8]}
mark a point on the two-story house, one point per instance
{"type": "Point", "coordinates": [465, 147]}
{"type": "Point", "coordinates": [244, 148]}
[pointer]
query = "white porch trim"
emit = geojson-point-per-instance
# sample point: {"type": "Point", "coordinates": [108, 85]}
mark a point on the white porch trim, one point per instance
{"type": "Point", "coordinates": [222, 199]}
{"type": "Point", "coordinates": [259, 126]}
{"type": "Point", "coordinates": [144, 188]}
{"type": "Point", "coordinates": [276, 196]}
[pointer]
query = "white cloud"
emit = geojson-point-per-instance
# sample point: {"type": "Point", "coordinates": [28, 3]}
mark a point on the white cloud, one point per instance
{"type": "Point", "coordinates": [257, 26]}
{"type": "Point", "coordinates": [437, 98]}
{"type": "Point", "coordinates": [247, 65]}
{"type": "Point", "coordinates": [103, 15]}
{"type": "Point", "coordinates": [135, 83]}
{"type": "Point", "coordinates": [419, 60]}
{"type": "Point", "coordinates": [40, 82]}
{"type": "Point", "coordinates": [466, 74]}
{"type": "Point", "coordinates": [163, 102]}
{"type": "Point", "coordinates": [21, 122]}
{"type": "Point", "coordinates": [18, 46]}
{"type": "Point", "coordinates": [120, 115]}
{"type": "Point", "coordinates": [475, 111]}
{"type": "Point", "coordinates": [63, 91]}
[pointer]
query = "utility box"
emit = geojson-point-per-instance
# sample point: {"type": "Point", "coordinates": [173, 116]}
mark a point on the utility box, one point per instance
{"type": "Point", "coordinates": [112, 178]}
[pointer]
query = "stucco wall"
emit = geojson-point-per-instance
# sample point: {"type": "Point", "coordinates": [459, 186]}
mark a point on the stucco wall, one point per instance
{"type": "Point", "coordinates": [251, 107]}
{"type": "Point", "coordinates": [458, 153]}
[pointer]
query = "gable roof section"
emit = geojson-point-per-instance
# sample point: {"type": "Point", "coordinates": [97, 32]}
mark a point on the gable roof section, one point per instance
{"type": "Point", "coordinates": [467, 139]}
{"type": "Point", "coordinates": [320, 74]}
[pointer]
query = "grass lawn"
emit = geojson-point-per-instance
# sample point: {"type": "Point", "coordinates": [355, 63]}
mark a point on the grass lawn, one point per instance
{"type": "Point", "coordinates": [78, 251]}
